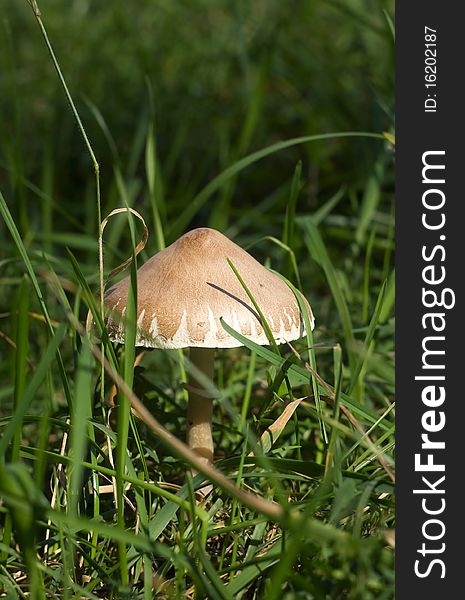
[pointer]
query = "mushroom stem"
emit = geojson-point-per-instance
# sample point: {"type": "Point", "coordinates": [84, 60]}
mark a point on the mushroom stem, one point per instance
{"type": "Point", "coordinates": [199, 407]}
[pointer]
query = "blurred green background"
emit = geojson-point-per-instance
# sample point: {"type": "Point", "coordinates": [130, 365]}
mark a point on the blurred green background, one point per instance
{"type": "Point", "coordinates": [225, 78]}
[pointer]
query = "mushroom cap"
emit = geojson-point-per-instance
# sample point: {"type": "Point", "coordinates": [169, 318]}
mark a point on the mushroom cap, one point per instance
{"type": "Point", "coordinates": [185, 289]}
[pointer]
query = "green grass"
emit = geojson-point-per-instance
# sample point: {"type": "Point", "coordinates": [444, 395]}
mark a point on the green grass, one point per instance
{"type": "Point", "coordinates": [269, 124]}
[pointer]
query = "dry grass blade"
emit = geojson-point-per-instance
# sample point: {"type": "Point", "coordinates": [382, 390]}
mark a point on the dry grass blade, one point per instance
{"type": "Point", "coordinates": [350, 417]}
{"type": "Point", "coordinates": [140, 246]}
{"type": "Point", "coordinates": [272, 432]}
{"type": "Point", "coordinates": [271, 509]}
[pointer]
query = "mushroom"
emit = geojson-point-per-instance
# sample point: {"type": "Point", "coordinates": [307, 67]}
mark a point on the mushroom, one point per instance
{"type": "Point", "coordinates": [183, 292]}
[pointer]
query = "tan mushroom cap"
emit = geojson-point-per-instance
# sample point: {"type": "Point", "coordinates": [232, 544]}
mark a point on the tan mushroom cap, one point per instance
{"type": "Point", "coordinates": [185, 289]}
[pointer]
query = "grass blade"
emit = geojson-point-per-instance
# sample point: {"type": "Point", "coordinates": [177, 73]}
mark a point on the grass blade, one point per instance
{"type": "Point", "coordinates": [199, 200]}
{"type": "Point", "coordinates": [32, 388]}
{"type": "Point", "coordinates": [30, 270]}
{"type": "Point", "coordinates": [317, 248]}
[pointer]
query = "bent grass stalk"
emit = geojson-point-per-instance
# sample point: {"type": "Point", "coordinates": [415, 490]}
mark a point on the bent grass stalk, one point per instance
{"type": "Point", "coordinates": [35, 7]}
